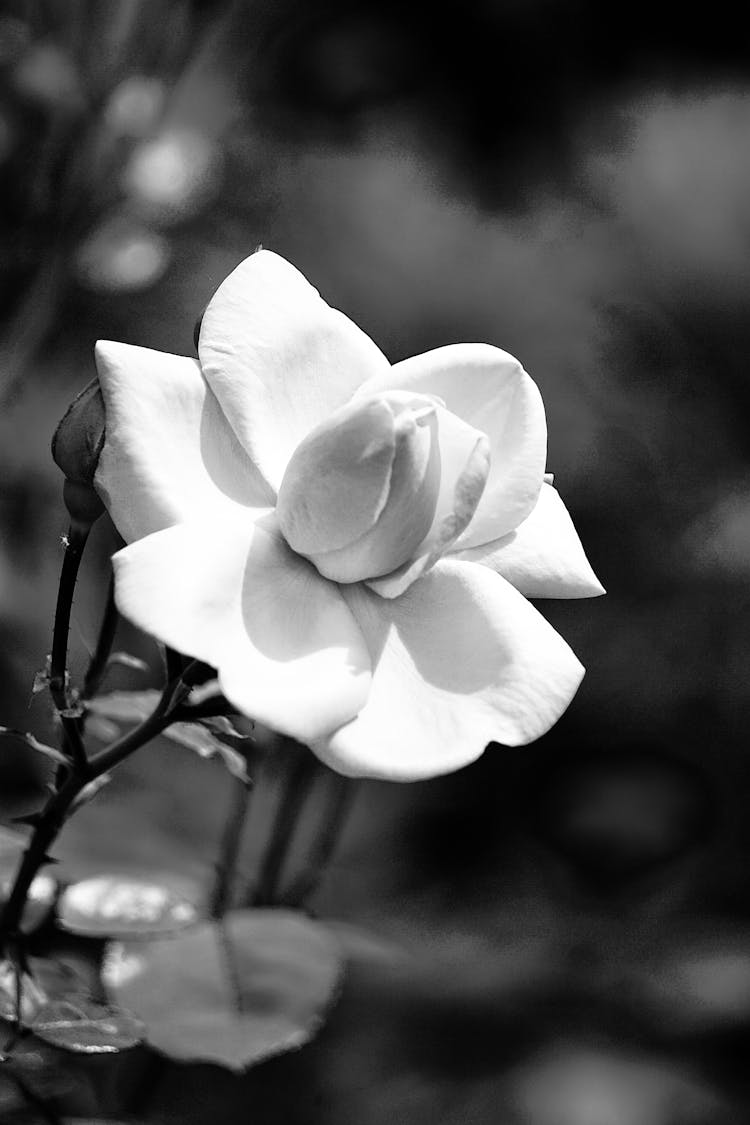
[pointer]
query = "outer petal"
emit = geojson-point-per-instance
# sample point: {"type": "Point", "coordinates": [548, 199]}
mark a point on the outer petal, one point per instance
{"type": "Point", "coordinates": [169, 453]}
{"type": "Point", "coordinates": [279, 359]}
{"type": "Point", "coordinates": [543, 557]}
{"type": "Point", "coordinates": [489, 389]}
{"type": "Point", "coordinates": [288, 650]}
{"type": "Point", "coordinates": [461, 659]}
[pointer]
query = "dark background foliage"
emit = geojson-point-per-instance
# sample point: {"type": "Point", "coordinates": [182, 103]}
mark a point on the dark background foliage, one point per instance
{"type": "Point", "coordinates": [568, 181]}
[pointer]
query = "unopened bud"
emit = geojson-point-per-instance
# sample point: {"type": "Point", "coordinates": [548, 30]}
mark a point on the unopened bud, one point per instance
{"type": "Point", "coordinates": [76, 445]}
{"type": "Point", "coordinates": [79, 437]}
{"type": "Point", "coordinates": [82, 501]}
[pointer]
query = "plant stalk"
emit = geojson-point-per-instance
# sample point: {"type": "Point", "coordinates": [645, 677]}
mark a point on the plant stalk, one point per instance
{"type": "Point", "coordinates": [53, 816]}
{"type": "Point", "coordinates": [75, 541]}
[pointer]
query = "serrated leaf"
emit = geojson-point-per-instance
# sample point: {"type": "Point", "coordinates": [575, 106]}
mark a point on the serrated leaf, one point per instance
{"type": "Point", "coordinates": [222, 725]}
{"type": "Point", "coordinates": [103, 729]}
{"type": "Point", "coordinates": [19, 1003]}
{"type": "Point", "coordinates": [88, 1028]}
{"type": "Point", "coordinates": [45, 981]}
{"type": "Point", "coordinates": [39, 901]}
{"type": "Point", "coordinates": [197, 738]}
{"type": "Point", "coordinates": [127, 660]}
{"type": "Point", "coordinates": [117, 906]}
{"type": "Point", "coordinates": [34, 744]}
{"type": "Point", "coordinates": [286, 967]}
{"type": "Point", "coordinates": [127, 706]}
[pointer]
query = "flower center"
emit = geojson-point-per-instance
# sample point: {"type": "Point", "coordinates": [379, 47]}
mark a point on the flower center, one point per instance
{"type": "Point", "coordinates": [360, 491]}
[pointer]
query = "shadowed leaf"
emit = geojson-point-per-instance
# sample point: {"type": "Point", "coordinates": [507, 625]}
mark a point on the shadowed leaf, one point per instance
{"type": "Point", "coordinates": [45, 981]}
{"type": "Point", "coordinates": [34, 744]}
{"type": "Point", "coordinates": [85, 1027]}
{"type": "Point", "coordinates": [233, 995]}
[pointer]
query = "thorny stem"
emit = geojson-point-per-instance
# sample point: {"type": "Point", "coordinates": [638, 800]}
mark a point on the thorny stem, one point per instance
{"type": "Point", "coordinates": [287, 817]}
{"type": "Point", "coordinates": [53, 816]}
{"type": "Point", "coordinates": [340, 795]}
{"type": "Point", "coordinates": [75, 541]}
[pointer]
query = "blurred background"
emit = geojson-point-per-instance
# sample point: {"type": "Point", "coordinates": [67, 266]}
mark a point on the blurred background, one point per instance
{"type": "Point", "coordinates": [570, 182]}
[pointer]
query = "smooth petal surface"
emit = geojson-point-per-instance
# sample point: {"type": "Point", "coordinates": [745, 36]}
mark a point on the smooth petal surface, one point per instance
{"type": "Point", "coordinates": [490, 390]}
{"type": "Point", "coordinates": [461, 659]}
{"type": "Point", "coordinates": [464, 468]}
{"type": "Point", "coordinates": [288, 651]}
{"type": "Point", "coordinates": [359, 494]}
{"type": "Point", "coordinates": [279, 359]}
{"type": "Point", "coordinates": [543, 557]}
{"type": "Point", "coordinates": [169, 453]}
{"type": "Point", "coordinates": [337, 482]}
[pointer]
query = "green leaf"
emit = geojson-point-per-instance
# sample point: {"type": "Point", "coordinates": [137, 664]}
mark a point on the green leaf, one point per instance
{"type": "Point", "coordinates": [196, 737]}
{"type": "Point", "coordinates": [46, 980]}
{"type": "Point", "coordinates": [127, 660]}
{"type": "Point", "coordinates": [134, 706]}
{"type": "Point", "coordinates": [34, 744]}
{"type": "Point", "coordinates": [88, 1028]}
{"type": "Point", "coordinates": [285, 967]}
{"type": "Point", "coordinates": [19, 1003]}
{"type": "Point", "coordinates": [127, 706]}
{"type": "Point", "coordinates": [118, 906]}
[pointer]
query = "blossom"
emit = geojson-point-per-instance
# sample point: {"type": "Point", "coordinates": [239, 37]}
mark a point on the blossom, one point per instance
{"type": "Point", "coordinates": [350, 544]}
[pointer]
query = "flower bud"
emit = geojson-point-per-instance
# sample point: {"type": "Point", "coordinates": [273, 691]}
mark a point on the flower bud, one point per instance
{"type": "Point", "coordinates": [360, 491]}
{"type": "Point", "coordinates": [79, 437]}
{"type": "Point", "coordinates": [76, 445]}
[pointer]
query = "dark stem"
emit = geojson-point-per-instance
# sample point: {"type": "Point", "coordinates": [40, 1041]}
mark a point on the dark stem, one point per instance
{"type": "Point", "coordinates": [55, 812]}
{"type": "Point", "coordinates": [46, 831]}
{"type": "Point", "coordinates": [98, 663]}
{"type": "Point", "coordinates": [335, 811]}
{"type": "Point", "coordinates": [229, 849]}
{"type": "Point", "coordinates": [75, 542]}
{"type": "Point", "coordinates": [287, 817]}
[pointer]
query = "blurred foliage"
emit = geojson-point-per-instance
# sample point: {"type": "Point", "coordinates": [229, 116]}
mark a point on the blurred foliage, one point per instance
{"type": "Point", "coordinates": [572, 186]}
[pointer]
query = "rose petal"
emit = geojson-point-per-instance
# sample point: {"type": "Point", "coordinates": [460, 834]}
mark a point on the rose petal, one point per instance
{"type": "Point", "coordinates": [337, 482]}
{"type": "Point", "coordinates": [288, 650]}
{"type": "Point", "coordinates": [461, 659]}
{"type": "Point", "coordinates": [464, 468]}
{"type": "Point", "coordinates": [169, 453]}
{"type": "Point", "coordinates": [360, 492]}
{"type": "Point", "coordinates": [543, 557]}
{"type": "Point", "coordinates": [279, 359]}
{"type": "Point", "coordinates": [489, 389]}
